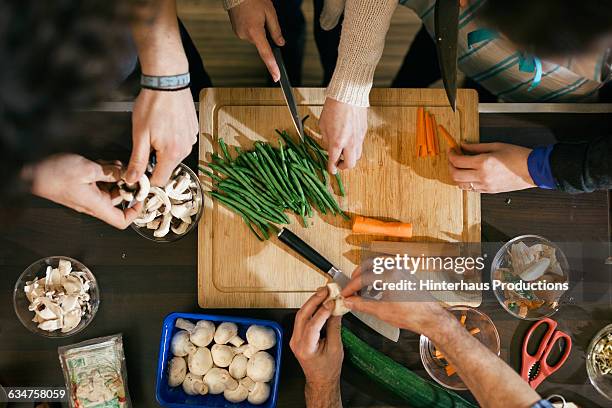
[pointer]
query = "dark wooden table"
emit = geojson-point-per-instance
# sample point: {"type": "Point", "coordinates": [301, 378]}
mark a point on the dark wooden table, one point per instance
{"type": "Point", "coordinates": [142, 281]}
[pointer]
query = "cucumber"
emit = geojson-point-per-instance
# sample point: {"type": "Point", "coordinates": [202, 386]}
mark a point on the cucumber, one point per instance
{"type": "Point", "coordinates": [396, 378]}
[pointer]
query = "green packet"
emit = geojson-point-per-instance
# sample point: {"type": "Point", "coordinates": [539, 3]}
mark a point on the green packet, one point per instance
{"type": "Point", "coordinates": [95, 373]}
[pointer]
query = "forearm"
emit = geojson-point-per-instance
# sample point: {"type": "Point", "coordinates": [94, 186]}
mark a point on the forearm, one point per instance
{"type": "Point", "coordinates": [582, 167]}
{"type": "Point", "coordinates": [364, 28]}
{"type": "Point", "coordinates": [491, 381]}
{"type": "Point", "coordinates": [323, 396]}
{"type": "Point", "coordinates": [158, 40]}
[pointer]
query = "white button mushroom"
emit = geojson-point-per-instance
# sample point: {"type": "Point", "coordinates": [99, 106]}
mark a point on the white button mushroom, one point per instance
{"type": "Point", "coordinates": [203, 333]}
{"type": "Point", "coordinates": [247, 383]}
{"type": "Point", "coordinates": [222, 355]}
{"type": "Point", "coordinates": [247, 349]}
{"type": "Point", "coordinates": [180, 344]}
{"type": "Point", "coordinates": [225, 332]}
{"type": "Point", "coordinates": [177, 370]}
{"type": "Point", "coordinates": [340, 308]}
{"type": "Point", "coordinates": [218, 379]}
{"type": "Point", "coordinates": [236, 341]}
{"type": "Point", "coordinates": [200, 362]}
{"type": "Point", "coordinates": [261, 337]}
{"type": "Point", "coordinates": [238, 367]}
{"type": "Point", "coordinates": [236, 395]}
{"type": "Point", "coordinates": [184, 324]}
{"type": "Point", "coordinates": [259, 394]}
{"type": "Point", "coordinates": [194, 385]}
{"type": "Point", "coordinates": [261, 367]}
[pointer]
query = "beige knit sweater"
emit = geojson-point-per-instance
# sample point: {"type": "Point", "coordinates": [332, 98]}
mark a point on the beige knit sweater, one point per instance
{"type": "Point", "coordinates": [364, 29]}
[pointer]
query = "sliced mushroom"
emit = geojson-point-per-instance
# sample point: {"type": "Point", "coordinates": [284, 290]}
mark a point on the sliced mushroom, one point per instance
{"type": "Point", "coordinates": [164, 227]}
{"type": "Point", "coordinates": [143, 188]}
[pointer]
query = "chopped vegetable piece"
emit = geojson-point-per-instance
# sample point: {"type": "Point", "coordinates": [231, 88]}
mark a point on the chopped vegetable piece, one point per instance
{"type": "Point", "coordinates": [463, 318]}
{"type": "Point", "coordinates": [421, 133]}
{"type": "Point", "coordinates": [429, 135]}
{"type": "Point", "coordinates": [474, 331]}
{"type": "Point", "coordinates": [450, 370]}
{"type": "Point", "coordinates": [450, 140]}
{"type": "Point", "coordinates": [364, 225]}
{"type": "Point", "coordinates": [434, 128]}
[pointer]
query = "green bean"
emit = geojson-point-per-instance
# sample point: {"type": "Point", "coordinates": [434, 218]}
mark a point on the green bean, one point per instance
{"type": "Point", "coordinates": [224, 150]}
{"type": "Point", "coordinates": [210, 174]}
{"type": "Point", "coordinates": [247, 211]}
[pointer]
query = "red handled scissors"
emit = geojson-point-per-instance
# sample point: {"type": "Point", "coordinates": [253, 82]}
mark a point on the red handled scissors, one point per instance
{"type": "Point", "coordinates": [535, 368]}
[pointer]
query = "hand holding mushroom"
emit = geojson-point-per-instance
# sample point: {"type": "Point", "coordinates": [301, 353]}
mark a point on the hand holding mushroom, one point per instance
{"type": "Point", "coordinates": [76, 182]}
{"type": "Point", "coordinates": [320, 358]}
{"type": "Point", "coordinates": [216, 360]}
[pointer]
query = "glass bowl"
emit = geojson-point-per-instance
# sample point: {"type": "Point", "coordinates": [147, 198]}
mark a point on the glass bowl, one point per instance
{"type": "Point", "coordinates": [552, 298]}
{"type": "Point", "coordinates": [601, 382]}
{"type": "Point", "coordinates": [171, 236]}
{"type": "Point", "coordinates": [474, 319]}
{"type": "Point", "coordinates": [37, 270]}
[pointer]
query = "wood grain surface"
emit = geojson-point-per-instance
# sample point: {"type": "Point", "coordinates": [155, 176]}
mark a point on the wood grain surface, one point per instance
{"type": "Point", "coordinates": [389, 182]}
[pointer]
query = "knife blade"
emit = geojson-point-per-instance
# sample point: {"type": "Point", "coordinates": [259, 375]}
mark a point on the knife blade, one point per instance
{"type": "Point", "coordinates": [285, 85]}
{"type": "Point", "coordinates": [446, 25]}
{"type": "Point", "coordinates": [301, 247]}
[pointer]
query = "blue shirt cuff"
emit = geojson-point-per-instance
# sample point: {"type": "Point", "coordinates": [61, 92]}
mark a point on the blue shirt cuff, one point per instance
{"type": "Point", "coordinates": [542, 404]}
{"type": "Point", "coordinates": [538, 164]}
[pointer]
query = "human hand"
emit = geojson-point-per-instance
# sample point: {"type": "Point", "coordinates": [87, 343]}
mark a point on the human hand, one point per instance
{"type": "Point", "coordinates": [165, 122]}
{"type": "Point", "coordinates": [343, 128]}
{"type": "Point", "coordinates": [493, 167]}
{"type": "Point", "coordinates": [76, 182]}
{"type": "Point", "coordinates": [320, 358]}
{"type": "Point", "coordinates": [249, 21]}
{"type": "Point", "coordinates": [419, 313]}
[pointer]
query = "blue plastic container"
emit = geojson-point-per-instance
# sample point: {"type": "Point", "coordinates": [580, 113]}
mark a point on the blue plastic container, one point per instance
{"type": "Point", "coordinates": [175, 397]}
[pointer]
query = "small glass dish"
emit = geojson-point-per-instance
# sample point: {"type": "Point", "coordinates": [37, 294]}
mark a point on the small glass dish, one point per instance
{"type": "Point", "coordinates": [37, 270]}
{"type": "Point", "coordinates": [487, 334]}
{"type": "Point", "coordinates": [171, 236]}
{"type": "Point", "coordinates": [601, 382]}
{"type": "Point", "coordinates": [550, 298]}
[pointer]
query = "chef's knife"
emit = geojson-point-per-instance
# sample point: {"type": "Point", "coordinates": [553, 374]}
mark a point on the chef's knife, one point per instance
{"type": "Point", "coordinates": [308, 252]}
{"type": "Point", "coordinates": [287, 90]}
{"type": "Point", "coordinates": [446, 25]}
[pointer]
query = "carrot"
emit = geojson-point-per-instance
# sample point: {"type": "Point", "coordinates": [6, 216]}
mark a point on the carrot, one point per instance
{"type": "Point", "coordinates": [435, 135]}
{"type": "Point", "coordinates": [420, 131]}
{"type": "Point", "coordinates": [364, 225]}
{"type": "Point", "coordinates": [463, 317]}
{"type": "Point", "coordinates": [429, 133]}
{"type": "Point", "coordinates": [474, 331]}
{"type": "Point", "coordinates": [450, 370]}
{"type": "Point", "coordinates": [439, 354]}
{"type": "Point", "coordinates": [449, 139]}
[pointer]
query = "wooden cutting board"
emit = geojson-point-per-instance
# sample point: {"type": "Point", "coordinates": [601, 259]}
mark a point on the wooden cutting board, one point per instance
{"type": "Point", "coordinates": [236, 270]}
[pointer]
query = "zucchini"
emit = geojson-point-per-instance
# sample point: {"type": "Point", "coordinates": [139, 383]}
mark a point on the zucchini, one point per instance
{"type": "Point", "coordinates": [416, 391]}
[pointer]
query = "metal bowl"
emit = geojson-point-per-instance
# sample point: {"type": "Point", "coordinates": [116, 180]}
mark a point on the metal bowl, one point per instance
{"type": "Point", "coordinates": [35, 271]}
{"type": "Point", "coordinates": [502, 260]}
{"type": "Point", "coordinates": [171, 236]}
{"type": "Point", "coordinates": [488, 336]}
{"type": "Point", "coordinates": [601, 382]}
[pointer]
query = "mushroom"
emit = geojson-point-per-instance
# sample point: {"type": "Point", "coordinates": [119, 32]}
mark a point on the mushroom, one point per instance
{"type": "Point", "coordinates": [222, 355]}
{"type": "Point", "coordinates": [203, 333]}
{"type": "Point", "coordinates": [164, 227]}
{"type": "Point", "coordinates": [248, 350]}
{"type": "Point", "coordinates": [177, 369]}
{"type": "Point", "coordinates": [535, 270]}
{"type": "Point", "coordinates": [340, 308]}
{"type": "Point", "coordinates": [225, 332]}
{"type": "Point", "coordinates": [247, 383]}
{"type": "Point", "coordinates": [238, 367]}
{"type": "Point", "coordinates": [260, 367]}
{"type": "Point", "coordinates": [71, 320]}
{"type": "Point", "coordinates": [184, 324]}
{"type": "Point", "coordinates": [194, 385]}
{"type": "Point", "coordinates": [236, 341]}
{"type": "Point", "coordinates": [218, 379]}
{"type": "Point", "coordinates": [181, 210]}
{"type": "Point", "coordinates": [259, 394]}
{"type": "Point", "coordinates": [200, 362]}
{"type": "Point", "coordinates": [238, 394]}
{"type": "Point", "coordinates": [181, 229]}
{"type": "Point", "coordinates": [180, 344]}
{"type": "Point", "coordinates": [64, 267]}
{"type": "Point", "coordinates": [261, 337]}
{"type": "Point", "coordinates": [143, 188]}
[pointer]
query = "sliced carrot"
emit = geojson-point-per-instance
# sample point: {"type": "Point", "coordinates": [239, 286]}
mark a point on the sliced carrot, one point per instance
{"type": "Point", "coordinates": [429, 134]}
{"type": "Point", "coordinates": [462, 320]}
{"type": "Point", "coordinates": [439, 354]}
{"type": "Point", "coordinates": [450, 370]}
{"type": "Point", "coordinates": [420, 131]}
{"type": "Point", "coordinates": [434, 127]}
{"type": "Point", "coordinates": [450, 140]}
{"type": "Point", "coordinates": [474, 331]}
{"type": "Point", "coordinates": [364, 225]}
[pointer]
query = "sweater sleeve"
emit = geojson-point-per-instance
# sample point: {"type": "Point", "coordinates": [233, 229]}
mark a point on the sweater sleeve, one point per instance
{"type": "Point", "coordinates": [584, 166]}
{"type": "Point", "coordinates": [365, 26]}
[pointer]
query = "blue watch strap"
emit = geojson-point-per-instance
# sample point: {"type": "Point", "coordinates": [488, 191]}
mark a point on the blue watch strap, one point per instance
{"type": "Point", "coordinates": [538, 164]}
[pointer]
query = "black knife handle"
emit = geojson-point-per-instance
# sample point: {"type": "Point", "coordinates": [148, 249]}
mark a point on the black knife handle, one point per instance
{"type": "Point", "coordinates": [298, 245]}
